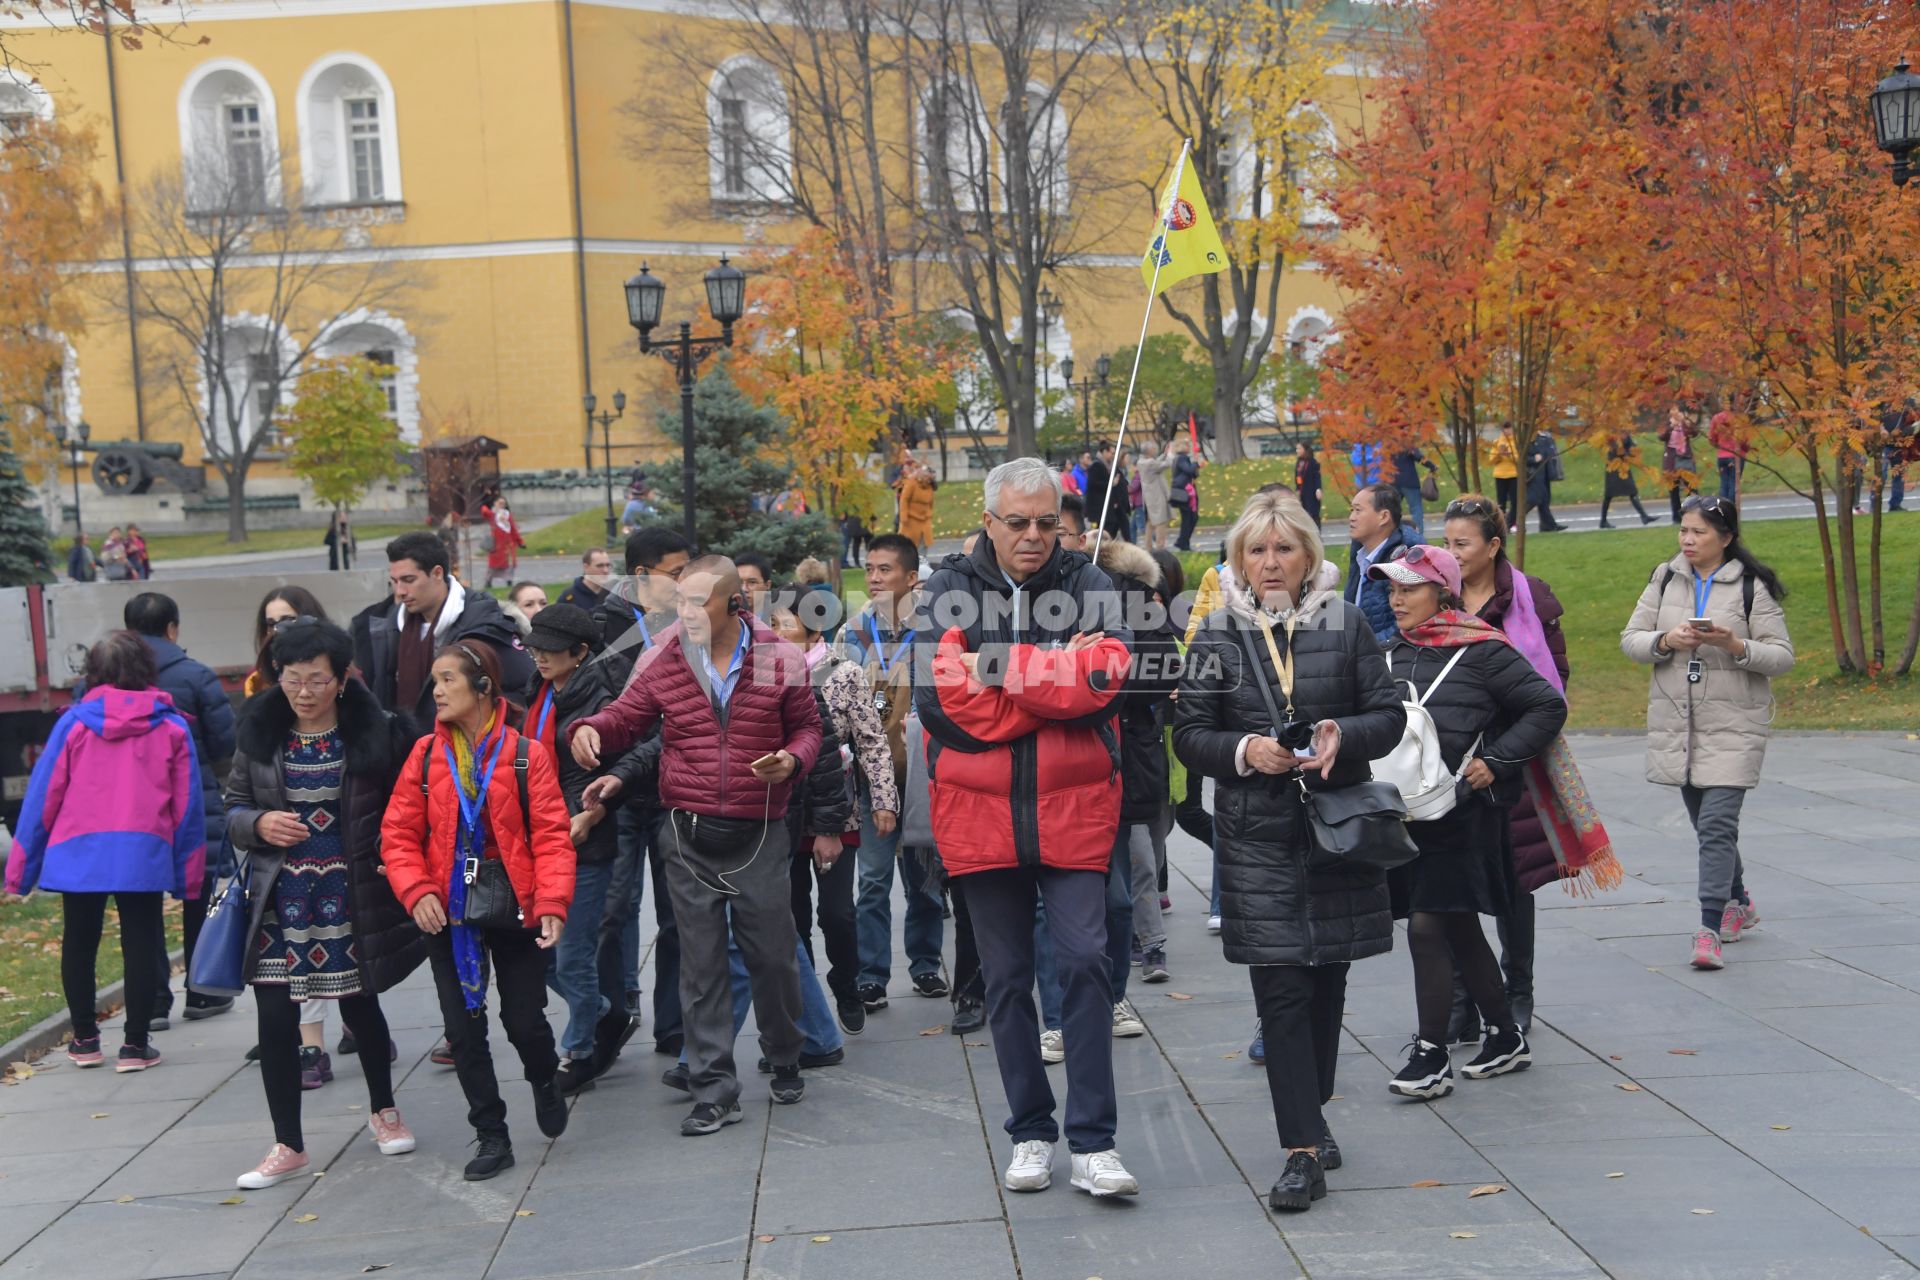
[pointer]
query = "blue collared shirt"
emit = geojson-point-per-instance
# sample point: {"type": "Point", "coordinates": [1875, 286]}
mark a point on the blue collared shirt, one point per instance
{"type": "Point", "coordinates": [722, 686]}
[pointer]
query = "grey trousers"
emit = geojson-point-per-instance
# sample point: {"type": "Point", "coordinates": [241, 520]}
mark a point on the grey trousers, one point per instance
{"type": "Point", "coordinates": [1148, 928]}
{"type": "Point", "coordinates": [1716, 823]}
{"type": "Point", "coordinates": [701, 857]}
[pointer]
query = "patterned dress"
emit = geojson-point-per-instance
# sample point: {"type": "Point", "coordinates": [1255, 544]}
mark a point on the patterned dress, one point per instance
{"type": "Point", "coordinates": [306, 940]}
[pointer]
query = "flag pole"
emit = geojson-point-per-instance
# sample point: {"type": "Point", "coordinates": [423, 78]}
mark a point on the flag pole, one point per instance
{"type": "Point", "coordinates": [1153, 291]}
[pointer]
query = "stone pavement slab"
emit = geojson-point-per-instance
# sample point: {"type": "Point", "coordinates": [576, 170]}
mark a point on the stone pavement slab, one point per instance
{"type": "Point", "coordinates": [1793, 1115]}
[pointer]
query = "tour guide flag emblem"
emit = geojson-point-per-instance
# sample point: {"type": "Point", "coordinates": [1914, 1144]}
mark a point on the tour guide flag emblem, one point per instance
{"type": "Point", "coordinates": [1187, 244]}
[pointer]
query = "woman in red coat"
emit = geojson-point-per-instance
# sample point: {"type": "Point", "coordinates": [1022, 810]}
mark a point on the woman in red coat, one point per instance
{"type": "Point", "coordinates": [504, 555]}
{"type": "Point", "coordinates": [475, 799]}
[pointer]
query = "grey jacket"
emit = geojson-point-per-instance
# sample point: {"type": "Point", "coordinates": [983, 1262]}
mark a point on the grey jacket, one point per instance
{"type": "Point", "coordinates": [1713, 733]}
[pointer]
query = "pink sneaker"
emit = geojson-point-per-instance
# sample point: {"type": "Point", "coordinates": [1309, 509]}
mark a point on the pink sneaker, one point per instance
{"type": "Point", "coordinates": [390, 1132]}
{"type": "Point", "coordinates": [1706, 950]}
{"type": "Point", "coordinates": [85, 1053]}
{"type": "Point", "coordinates": [1732, 919]}
{"type": "Point", "coordinates": [282, 1162]}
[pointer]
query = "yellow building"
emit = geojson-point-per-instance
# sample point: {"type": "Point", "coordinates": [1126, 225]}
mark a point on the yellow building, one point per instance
{"type": "Point", "coordinates": [493, 147]}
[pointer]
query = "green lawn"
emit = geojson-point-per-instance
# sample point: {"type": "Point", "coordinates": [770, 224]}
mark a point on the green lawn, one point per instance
{"type": "Point", "coordinates": [1599, 576]}
{"type": "Point", "coordinates": [30, 961]}
{"type": "Point", "coordinates": [163, 547]}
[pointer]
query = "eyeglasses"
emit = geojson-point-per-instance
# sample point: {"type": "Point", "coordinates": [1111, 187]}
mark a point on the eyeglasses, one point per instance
{"type": "Point", "coordinates": [289, 622]}
{"type": "Point", "coordinates": [308, 686]}
{"type": "Point", "coordinates": [1469, 507]}
{"type": "Point", "coordinates": [1414, 554]}
{"type": "Point", "coordinates": [672, 574]}
{"type": "Point", "coordinates": [1018, 524]}
{"type": "Point", "coordinates": [1711, 503]}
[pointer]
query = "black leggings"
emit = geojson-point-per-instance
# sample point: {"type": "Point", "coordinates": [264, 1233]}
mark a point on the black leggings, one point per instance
{"type": "Point", "coordinates": [84, 915]}
{"type": "Point", "coordinates": [1440, 941]}
{"type": "Point", "coordinates": [280, 1055]}
{"type": "Point", "coordinates": [836, 917]}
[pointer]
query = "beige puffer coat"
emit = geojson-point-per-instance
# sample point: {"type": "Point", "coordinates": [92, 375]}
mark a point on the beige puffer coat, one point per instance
{"type": "Point", "coordinates": [1714, 733]}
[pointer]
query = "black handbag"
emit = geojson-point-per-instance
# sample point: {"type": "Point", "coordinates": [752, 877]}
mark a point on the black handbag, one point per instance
{"type": "Point", "coordinates": [491, 900]}
{"type": "Point", "coordinates": [1361, 826]}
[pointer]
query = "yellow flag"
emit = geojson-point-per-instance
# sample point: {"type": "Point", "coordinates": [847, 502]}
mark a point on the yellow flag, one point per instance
{"type": "Point", "coordinates": [1189, 243]}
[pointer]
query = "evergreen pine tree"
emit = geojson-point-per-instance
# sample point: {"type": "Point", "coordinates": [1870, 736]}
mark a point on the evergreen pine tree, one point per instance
{"type": "Point", "coordinates": [736, 447]}
{"type": "Point", "coordinates": [24, 554]}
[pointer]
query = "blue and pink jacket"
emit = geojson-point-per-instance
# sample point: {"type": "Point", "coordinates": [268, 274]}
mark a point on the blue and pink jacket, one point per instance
{"type": "Point", "coordinates": [114, 803]}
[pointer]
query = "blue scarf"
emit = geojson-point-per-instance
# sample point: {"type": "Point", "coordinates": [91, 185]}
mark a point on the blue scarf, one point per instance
{"type": "Point", "coordinates": [470, 846]}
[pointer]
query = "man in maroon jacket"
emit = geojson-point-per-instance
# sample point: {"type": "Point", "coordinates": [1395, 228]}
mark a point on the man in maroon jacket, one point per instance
{"type": "Point", "coordinates": [738, 724]}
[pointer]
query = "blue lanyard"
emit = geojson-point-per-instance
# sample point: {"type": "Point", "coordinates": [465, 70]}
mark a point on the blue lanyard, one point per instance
{"type": "Point", "coordinates": [879, 649]}
{"type": "Point", "coordinates": [646, 636]}
{"type": "Point", "coordinates": [1702, 588]}
{"type": "Point", "coordinates": [472, 827]}
{"type": "Point", "coordinates": [546, 709]}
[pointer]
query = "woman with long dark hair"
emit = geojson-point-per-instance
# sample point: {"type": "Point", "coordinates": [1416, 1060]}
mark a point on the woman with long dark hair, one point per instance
{"type": "Point", "coordinates": [1711, 626]}
{"type": "Point", "coordinates": [316, 760]}
{"type": "Point", "coordinates": [282, 604]}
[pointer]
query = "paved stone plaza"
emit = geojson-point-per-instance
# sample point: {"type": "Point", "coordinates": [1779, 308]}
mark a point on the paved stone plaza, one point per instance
{"type": "Point", "coordinates": [1761, 1121]}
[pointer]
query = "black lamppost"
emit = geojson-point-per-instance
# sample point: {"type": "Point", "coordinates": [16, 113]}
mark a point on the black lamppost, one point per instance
{"type": "Point", "coordinates": [1101, 368]}
{"type": "Point", "coordinates": [1895, 103]}
{"type": "Point", "coordinates": [606, 421]}
{"type": "Point", "coordinates": [75, 450]}
{"type": "Point", "coordinates": [1049, 316]}
{"type": "Point", "coordinates": [727, 300]}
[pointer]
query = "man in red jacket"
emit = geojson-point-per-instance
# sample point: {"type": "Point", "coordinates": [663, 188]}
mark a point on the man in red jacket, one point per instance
{"type": "Point", "coordinates": [737, 724]}
{"type": "Point", "coordinates": [1025, 756]}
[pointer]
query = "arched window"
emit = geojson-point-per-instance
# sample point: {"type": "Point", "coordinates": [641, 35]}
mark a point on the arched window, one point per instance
{"type": "Point", "coordinates": [229, 138]}
{"type": "Point", "coordinates": [349, 141]}
{"type": "Point", "coordinates": [1046, 150]}
{"type": "Point", "coordinates": [384, 340]}
{"type": "Point", "coordinates": [23, 104]}
{"type": "Point", "coordinates": [749, 134]}
{"type": "Point", "coordinates": [956, 168]}
{"type": "Point", "coordinates": [1309, 333]}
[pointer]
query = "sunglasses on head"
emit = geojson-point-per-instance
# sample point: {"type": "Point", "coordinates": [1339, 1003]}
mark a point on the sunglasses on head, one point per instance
{"type": "Point", "coordinates": [1711, 503]}
{"type": "Point", "coordinates": [291, 622]}
{"type": "Point", "coordinates": [1415, 554]}
{"type": "Point", "coordinates": [1469, 507]}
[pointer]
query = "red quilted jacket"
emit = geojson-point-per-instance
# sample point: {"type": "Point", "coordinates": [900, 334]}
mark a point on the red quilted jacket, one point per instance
{"type": "Point", "coordinates": [417, 834]}
{"type": "Point", "coordinates": [705, 769]}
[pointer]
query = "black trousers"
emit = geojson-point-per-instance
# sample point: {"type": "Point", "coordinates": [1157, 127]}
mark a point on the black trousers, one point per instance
{"type": "Point", "coordinates": [1189, 517]}
{"type": "Point", "coordinates": [280, 1055]}
{"type": "Point", "coordinates": [968, 981]}
{"type": "Point", "coordinates": [193, 918]}
{"type": "Point", "coordinates": [1300, 1008]}
{"type": "Point", "coordinates": [1506, 490]}
{"type": "Point", "coordinates": [640, 826]}
{"type": "Point", "coordinates": [519, 991]}
{"type": "Point", "coordinates": [142, 932]}
{"type": "Point", "coordinates": [836, 917]}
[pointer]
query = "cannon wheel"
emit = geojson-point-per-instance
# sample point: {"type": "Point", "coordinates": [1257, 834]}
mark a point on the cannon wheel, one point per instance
{"type": "Point", "coordinates": [121, 471]}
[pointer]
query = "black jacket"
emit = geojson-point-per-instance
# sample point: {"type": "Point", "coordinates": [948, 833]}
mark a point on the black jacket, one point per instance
{"type": "Point", "coordinates": [1273, 911]}
{"type": "Point", "coordinates": [197, 694]}
{"type": "Point", "coordinates": [1144, 780]}
{"type": "Point", "coordinates": [587, 693]}
{"type": "Point", "coordinates": [386, 942]}
{"type": "Point", "coordinates": [1492, 691]}
{"type": "Point", "coordinates": [582, 596]}
{"type": "Point", "coordinates": [622, 637]}
{"type": "Point", "coordinates": [820, 806]}
{"type": "Point", "coordinates": [376, 649]}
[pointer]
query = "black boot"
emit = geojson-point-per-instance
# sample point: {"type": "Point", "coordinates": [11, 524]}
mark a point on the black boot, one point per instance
{"type": "Point", "coordinates": [1303, 1182]}
{"type": "Point", "coordinates": [1463, 1025]}
{"type": "Point", "coordinates": [494, 1157]}
{"type": "Point", "coordinates": [549, 1109]}
{"type": "Point", "coordinates": [1516, 959]}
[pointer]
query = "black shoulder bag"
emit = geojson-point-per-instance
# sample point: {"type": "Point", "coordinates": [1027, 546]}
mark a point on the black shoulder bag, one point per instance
{"type": "Point", "coordinates": [491, 901]}
{"type": "Point", "coordinates": [1359, 827]}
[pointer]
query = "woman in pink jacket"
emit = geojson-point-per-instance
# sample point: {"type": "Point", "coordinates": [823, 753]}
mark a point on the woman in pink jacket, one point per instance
{"type": "Point", "coordinates": [113, 807]}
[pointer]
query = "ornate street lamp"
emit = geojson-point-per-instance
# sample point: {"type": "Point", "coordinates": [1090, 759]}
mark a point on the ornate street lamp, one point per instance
{"type": "Point", "coordinates": [606, 421]}
{"type": "Point", "coordinates": [727, 301]}
{"type": "Point", "coordinates": [1050, 307]}
{"type": "Point", "coordinates": [75, 450]}
{"type": "Point", "coordinates": [1101, 368]}
{"type": "Point", "coordinates": [1895, 102]}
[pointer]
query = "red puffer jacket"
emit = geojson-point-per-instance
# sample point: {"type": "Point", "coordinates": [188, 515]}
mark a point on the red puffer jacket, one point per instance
{"type": "Point", "coordinates": [417, 835]}
{"type": "Point", "coordinates": [704, 768]}
{"type": "Point", "coordinates": [1025, 769]}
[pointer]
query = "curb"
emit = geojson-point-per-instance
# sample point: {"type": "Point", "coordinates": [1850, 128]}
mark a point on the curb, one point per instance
{"type": "Point", "coordinates": [53, 1029]}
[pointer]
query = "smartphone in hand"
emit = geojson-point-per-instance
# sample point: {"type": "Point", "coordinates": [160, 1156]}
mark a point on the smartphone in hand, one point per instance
{"type": "Point", "coordinates": [1701, 624]}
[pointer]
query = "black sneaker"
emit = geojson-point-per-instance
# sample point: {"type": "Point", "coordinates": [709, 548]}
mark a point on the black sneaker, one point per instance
{"type": "Point", "coordinates": [253, 1054]}
{"type": "Point", "coordinates": [137, 1058]}
{"type": "Point", "coordinates": [930, 985]}
{"type": "Point", "coordinates": [494, 1157]}
{"type": "Point", "coordinates": [573, 1075]}
{"type": "Point", "coordinates": [1428, 1073]}
{"type": "Point", "coordinates": [610, 1036]}
{"type": "Point", "coordinates": [1505, 1050]}
{"type": "Point", "coordinates": [160, 1022]}
{"type": "Point", "coordinates": [675, 1077]}
{"type": "Point", "coordinates": [852, 1014]}
{"type": "Point", "coordinates": [788, 1085]}
{"type": "Point", "coordinates": [549, 1109]}
{"type": "Point", "coordinates": [348, 1045]}
{"type": "Point", "coordinates": [709, 1117]}
{"type": "Point", "coordinates": [808, 1061]}
{"type": "Point", "coordinates": [969, 1014]}
{"type": "Point", "coordinates": [873, 996]}
{"type": "Point", "coordinates": [442, 1056]}
{"type": "Point", "coordinates": [632, 1004]}
{"type": "Point", "coordinates": [1303, 1181]}
{"type": "Point", "coordinates": [199, 1006]}
{"type": "Point", "coordinates": [1329, 1152]}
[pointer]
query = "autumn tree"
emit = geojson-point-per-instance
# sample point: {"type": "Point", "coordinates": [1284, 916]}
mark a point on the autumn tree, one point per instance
{"type": "Point", "coordinates": [339, 437]}
{"type": "Point", "coordinates": [1174, 380]}
{"type": "Point", "coordinates": [1243, 79]}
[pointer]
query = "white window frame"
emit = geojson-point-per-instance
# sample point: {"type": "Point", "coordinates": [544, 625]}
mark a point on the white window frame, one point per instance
{"type": "Point", "coordinates": [764, 137]}
{"type": "Point", "coordinates": [30, 102]}
{"type": "Point", "coordinates": [353, 334]}
{"type": "Point", "coordinates": [325, 121]}
{"type": "Point", "coordinates": [205, 96]}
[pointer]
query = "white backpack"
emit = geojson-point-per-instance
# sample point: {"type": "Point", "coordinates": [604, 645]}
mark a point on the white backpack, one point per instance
{"type": "Point", "coordinates": [1415, 765]}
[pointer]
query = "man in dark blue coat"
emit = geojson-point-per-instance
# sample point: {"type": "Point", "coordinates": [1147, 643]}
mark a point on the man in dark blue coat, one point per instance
{"type": "Point", "coordinates": [1373, 522]}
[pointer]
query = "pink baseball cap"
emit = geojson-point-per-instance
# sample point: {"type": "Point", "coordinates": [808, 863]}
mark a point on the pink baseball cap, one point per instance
{"type": "Point", "coordinates": [1421, 563]}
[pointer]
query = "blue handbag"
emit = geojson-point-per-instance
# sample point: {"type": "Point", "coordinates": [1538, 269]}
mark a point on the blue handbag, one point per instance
{"type": "Point", "coordinates": [220, 955]}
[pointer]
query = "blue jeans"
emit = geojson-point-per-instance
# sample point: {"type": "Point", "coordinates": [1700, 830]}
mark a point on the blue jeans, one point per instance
{"type": "Point", "coordinates": [1139, 524]}
{"type": "Point", "coordinates": [816, 1013]}
{"type": "Point", "coordinates": [574, 971]}
{"type": "Point", "coordinates": [873, 907]}
{"type": "Point", "coordinates": [1730, 469]}
{"type": "Point", "coordinates": [1416, 507]}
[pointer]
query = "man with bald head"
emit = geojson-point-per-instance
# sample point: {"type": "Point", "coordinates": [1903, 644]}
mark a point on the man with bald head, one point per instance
{"type": "Point", "coordinates": [738, 726]}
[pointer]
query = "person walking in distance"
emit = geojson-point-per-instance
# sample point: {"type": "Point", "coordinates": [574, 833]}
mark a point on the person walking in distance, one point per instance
{"type": "Point", "coordinates": [1711, 626]}
{"type": "Point", "coordinates": [1623, 455]}
{"type": "Point", "coordinates": [916, 487]}
{"type": "Point", "coordinates": [1022, 753]}
{"type": "Point", "coordinates": [1154, 470]}
{"type": "Point", "coordinates": [1185, 489]}
{"type": "Point", "coordinates": [738, 727]}
{"type": "Point", "coordinates": [1543, 470]}
{"type": "Point", "coordinates": [1677, 467]}
{"type": "Point", "coordinates": [1306, 480]}
{"type": "Point", "coordinates": [589, 589]}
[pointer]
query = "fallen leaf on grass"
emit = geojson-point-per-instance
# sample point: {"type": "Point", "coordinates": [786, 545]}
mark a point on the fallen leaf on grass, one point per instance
{"type": "Point", "coordinates": [935, 1031]}
{"type": "Point", "coordinates": [234, 1200]}
{"type": "Point", "coordinates": [1178, 995]}
{"type": "Point", "coordinates": [1782, 1128]}
{"type": "Point", "coordinates": [1462, 1235]}
{"type": "Point", "coordinates": [1491, 1189]}
{"type": "Point", "coordinates": [123, 1199]}
{"type": "Point", "coordinates": [308, 1217]}
{"type": "Point", "coordinates": [1616, 1175]}
{"type": "Point", "coordinates": [1703, 1212]}
{"type": "Point", "coordinates": [1630, 1087]}
{"type": "Point", "coordinates": [821, 1239]}
{"type": "Point", "coordinates": [1425, 1182]}
{"type": "Point", "coordinates": [1683, 1053]}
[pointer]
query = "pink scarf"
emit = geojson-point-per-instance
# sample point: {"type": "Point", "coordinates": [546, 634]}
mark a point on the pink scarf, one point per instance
{"type": "Point", "coordinates": [1523, 628]}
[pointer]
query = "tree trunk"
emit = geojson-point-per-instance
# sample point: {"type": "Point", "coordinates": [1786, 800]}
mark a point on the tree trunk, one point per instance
{"type": "Point", "coordinates": [1874, 602]}
{"type": "Point", "coordinates": [1519, 556]}
{"type": "Point", "coordinates": [236, 477]}
{"type": "Point", "coordinates": [1228, 445]}
{"type": "Point", "coordinates": [1846, 495]}
{"type": "Point", "coordinates": [1913, 634]}
{"type": "Point", "coordinates": [1826, 556]}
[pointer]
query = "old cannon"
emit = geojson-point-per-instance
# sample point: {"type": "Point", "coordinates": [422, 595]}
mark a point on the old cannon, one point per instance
{"type": "Point", "coordinates": [132, 466]}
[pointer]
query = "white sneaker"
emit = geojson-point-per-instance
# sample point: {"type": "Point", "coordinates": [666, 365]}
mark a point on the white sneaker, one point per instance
{"type": "Point", "coordinates": [1102, 1174]}
{"type": "Point", "coordinates": [1126, 1021]}
{"type": "Point", "coordinates": [1031, 1168]}
{"type": "Point", "coordinates": [1053, 1047]}
{"type": "Point", "coordinates": [1213, 924]}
